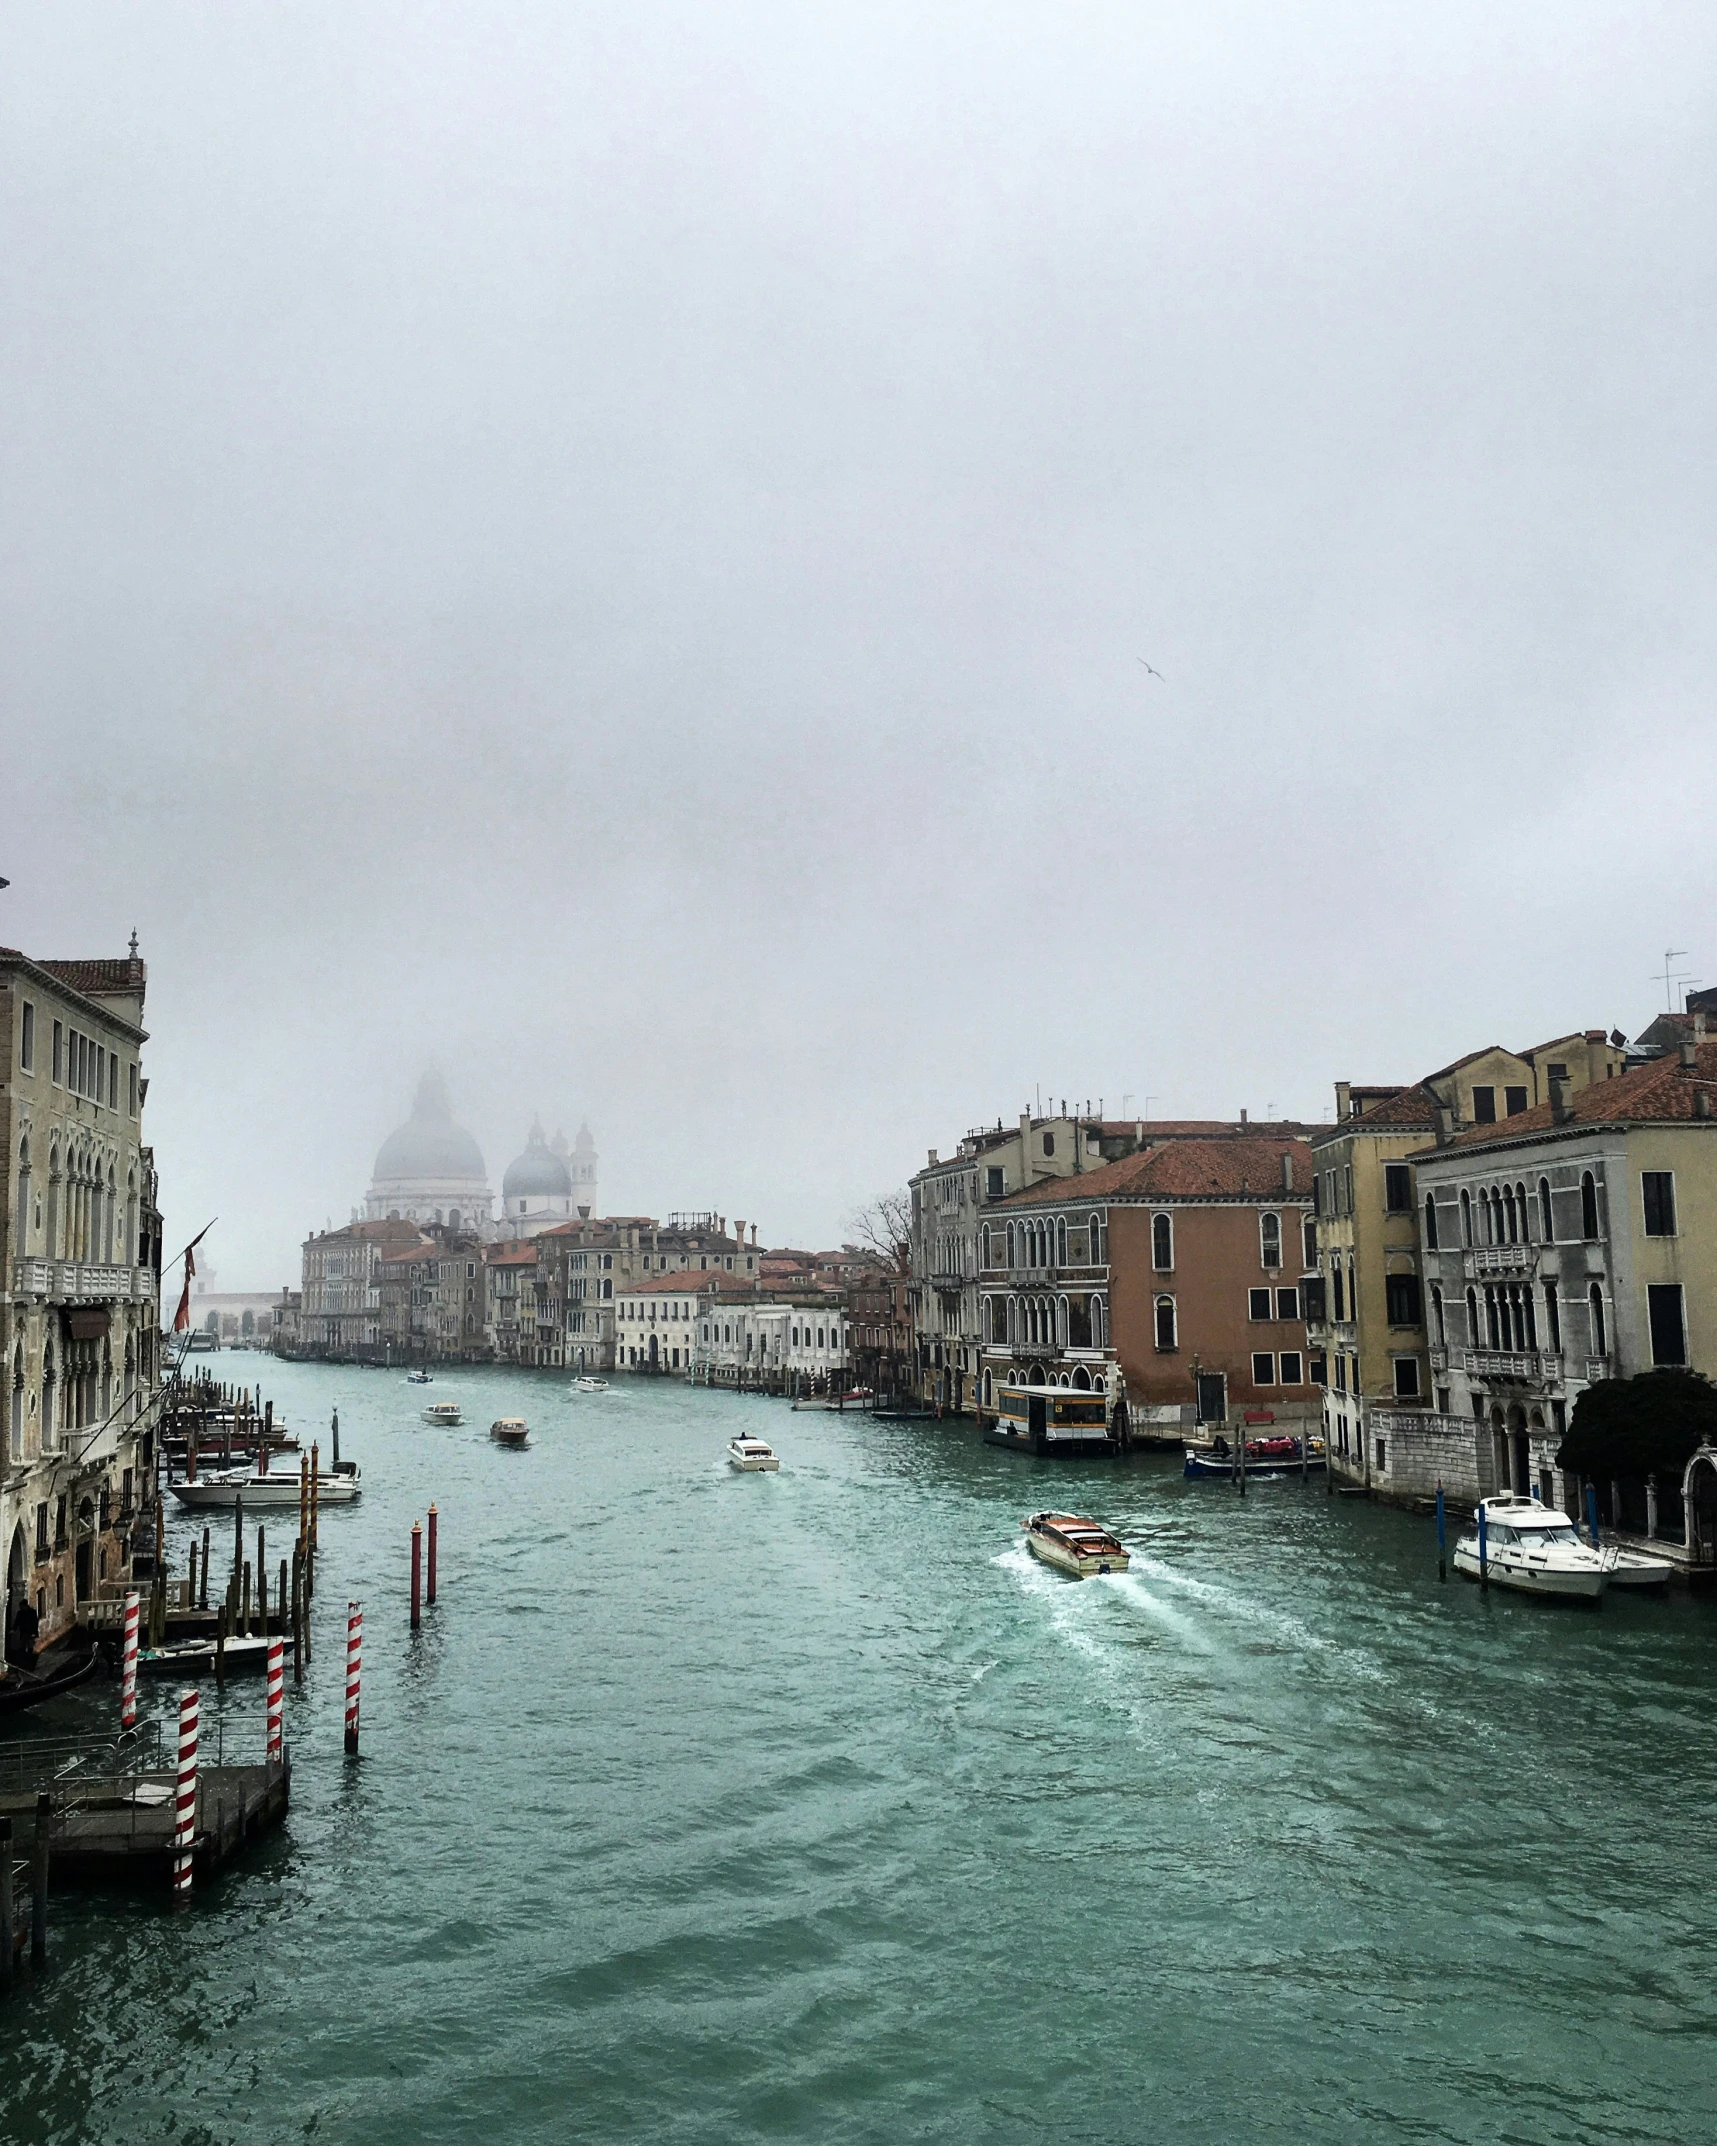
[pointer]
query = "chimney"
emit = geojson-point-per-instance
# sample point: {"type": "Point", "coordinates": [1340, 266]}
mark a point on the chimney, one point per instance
{"type": "Point", "coordinates": [1343, 1099]}
{"type": "Point", "coordinates": [1699, 1024]}
{"type": "Point", "coordinates": [1561, 1109]}
{"type": "Point", "coordinates": [1690, 1052]}
{"type": "Point", "coordinates": [1445, 1125]}
{"type": "Point", "coordinates": [1243, 1121]}
{"type": "Point", "coordinates": [1702, 1102]}
{"type": "Point", "coordinates": [1287, 1169]}
{"type": "Point", "coordinates": [739, 1233]}
{"type": "Point", "coordinates": [932, 1162]}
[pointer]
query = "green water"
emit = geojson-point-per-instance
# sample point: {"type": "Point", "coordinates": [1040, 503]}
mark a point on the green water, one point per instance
{"type": "Point", "coordinates": [807, 1807]}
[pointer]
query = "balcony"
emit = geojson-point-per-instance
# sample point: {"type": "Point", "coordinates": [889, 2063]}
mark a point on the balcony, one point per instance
{"type": "Point", "coordinates": [1486, 1259]}
{"type": "Point", "coordinates": [1538, 1365]}
{"type": "Point", "coordinates": [949, 1282]}
{"type": "Point", "coordinates": [68, 1281]}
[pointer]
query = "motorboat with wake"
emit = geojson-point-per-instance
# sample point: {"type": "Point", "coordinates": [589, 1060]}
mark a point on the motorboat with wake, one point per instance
{"type": "Point", "coordinates": [1534, 1549]}
{"type": "Point", "coordinates": [511, 1431]}
{"type": "Point", "coordinates": [752, 1456]}
{"type": "Point", "coordinates": [590, 1385]}
{"type": "Point", "coordinates": [443, 1412]}
{"type": "Point", "coordinates": [419, 1378]}
{"type": "Point", "coordinates": [264, 1492]}
{"type": "Point", "coordinates": [1074, 1545]}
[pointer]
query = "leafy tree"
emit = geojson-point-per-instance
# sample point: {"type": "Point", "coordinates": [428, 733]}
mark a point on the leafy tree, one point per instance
{"type": "Point", "coordinates": [1649, 1425]}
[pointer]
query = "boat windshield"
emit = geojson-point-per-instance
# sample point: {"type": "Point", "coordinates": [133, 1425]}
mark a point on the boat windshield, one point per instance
{"type": "Point", "coordinates": [1565, 1534]}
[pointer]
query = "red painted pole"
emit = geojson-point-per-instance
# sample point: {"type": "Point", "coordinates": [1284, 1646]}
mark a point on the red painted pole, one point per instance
{"type": "Point", "coordinates": [185, 1810]}
{"type": "Point", "coordinates": [429, 1592]}
{"type": "Point", "coordinates": [128, 1673]}
{"type": "Point", "coordinates": [354, 1662]}
{"type": "Point", "coordinates": [416, 1575]}
{"type": "Point", "coordinates": [276, 1697]}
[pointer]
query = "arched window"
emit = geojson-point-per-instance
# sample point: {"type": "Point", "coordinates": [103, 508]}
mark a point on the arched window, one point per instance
{"type": "Point", "coordinates": [1430, 1222]}
{"type": "Point", "coordinates": [1162, 1243]}
{"type": "Point", "coordinates": [1492, 1330]}
{"type": "Point", "coordinates": [1437, 1320]}
{"type": "Point", "coordinates": [1166, 1328]}
{"type": "Point", "coordinates": [52, 1246]}
{"type": "Point", "coordinates": [1472, 1319]}
{"type": "Point", "coordinates": [1061, 1240]}
{"type": "Point", "coordinates": [1270, 1240]}
{"type": "Point", "coordinates": [1509, 1236]}
{"type": "Point", "coordinates": [1600, 1339]}
{"type": "Point", "coordinates": [1466, 1218]}
{"type": "Point", "coordinates": [22, 1233]}
{"type": "Point", "coordinates": [1589, 1211]}
{"type": "Point", "coordinates": [1099, 1240]}
{"type": "Point", "coordinates": [1011, 1261]}
{"type": "Point", "coordinates": [1099, 1323]}
{"type": "Point", "coordinates": [1546, 1215]}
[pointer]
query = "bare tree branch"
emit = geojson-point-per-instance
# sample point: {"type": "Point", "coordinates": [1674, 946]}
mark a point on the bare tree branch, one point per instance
{"type": "Point", "coordinates": [884, 1225]}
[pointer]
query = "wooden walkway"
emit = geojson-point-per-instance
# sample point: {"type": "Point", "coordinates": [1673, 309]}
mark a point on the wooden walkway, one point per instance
{"type": "Point", "coordinates": [110, 1829]}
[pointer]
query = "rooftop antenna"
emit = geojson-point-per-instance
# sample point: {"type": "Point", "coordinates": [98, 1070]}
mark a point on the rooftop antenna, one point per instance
{"type": "Point", "coordinates": [1669, 979]}
{"type": "Point", "coordinates": [1149, 1100]}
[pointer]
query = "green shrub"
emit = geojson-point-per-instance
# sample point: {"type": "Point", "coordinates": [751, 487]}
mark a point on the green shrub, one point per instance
{"type": "Point", "coordinates": [1649, 1425]}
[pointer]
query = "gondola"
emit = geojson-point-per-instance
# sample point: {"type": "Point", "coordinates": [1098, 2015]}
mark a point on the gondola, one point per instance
{"type": "Point", "coordinates": [28, 1687]}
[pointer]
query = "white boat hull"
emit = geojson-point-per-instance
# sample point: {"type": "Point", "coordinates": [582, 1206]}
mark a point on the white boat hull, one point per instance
{"type": "Point", "coordinates": [1631, 1568]}
{"type": "Point", "coordinates": [1066, 1560]}
{"type": "Point", "coordinates": [1507, 1568]}
{"type": "Point", "coordinates": [263, 1493]}
{"type": "Point", "coordinates": [752, 1464]}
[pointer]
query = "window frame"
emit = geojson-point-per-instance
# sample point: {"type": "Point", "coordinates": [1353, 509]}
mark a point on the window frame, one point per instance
{"type": "Point", "coordinates": [1397, 1179]}
{"type": "Point", "coordinates": [1296, 1357]}
{"type": "Point", "coordinates": [1253, 1314]}
{"type": "Point", "coordinates": [1657, 1202]}
{"type": "Point", "coordinates": [1266, 1357]}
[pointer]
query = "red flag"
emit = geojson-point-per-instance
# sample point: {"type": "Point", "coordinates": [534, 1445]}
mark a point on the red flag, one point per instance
{"type": "Point", "coordinates": [182, 1317]}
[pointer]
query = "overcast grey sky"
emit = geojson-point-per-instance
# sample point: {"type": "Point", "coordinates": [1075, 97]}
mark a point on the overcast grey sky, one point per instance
{"type": "Point", "coordinates": [609, 547]}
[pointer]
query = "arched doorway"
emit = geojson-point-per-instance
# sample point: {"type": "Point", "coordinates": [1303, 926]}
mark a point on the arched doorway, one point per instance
{"type": "Point", "coordinates": [1081, 1380]}
{"type": "Point", "coordinates": [1519, 1457]}
{"type": "Point", "coordinates": [1699, 1503]}
{"type": "Point", "coordinates": [17, 1568]}
{"type": "Point", "coordinates": [654, 1363]}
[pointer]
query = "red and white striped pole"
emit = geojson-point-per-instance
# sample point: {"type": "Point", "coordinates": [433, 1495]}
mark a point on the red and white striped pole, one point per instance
{"type": "Point", "coordinates": [354, 1659]}
{"type": "Point", "coordinates": [276, 1697]}
{"type": "Point", "coordinates": [128, 1671]}
{"type": "Point", "coordinates": [185, 1806]}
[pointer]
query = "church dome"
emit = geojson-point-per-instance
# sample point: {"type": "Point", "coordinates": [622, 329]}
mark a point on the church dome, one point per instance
{"type": "Point", "coordinates": [538, 1174]}
{"type": "Point", "coordinates": [429, 1144]}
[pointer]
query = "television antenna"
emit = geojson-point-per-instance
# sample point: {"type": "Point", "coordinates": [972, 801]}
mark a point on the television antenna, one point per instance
{"type": "Point", "coordinates": [1671, 976]}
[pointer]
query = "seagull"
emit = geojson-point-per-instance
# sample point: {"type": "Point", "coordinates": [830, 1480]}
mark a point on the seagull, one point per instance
{"type": "Point", "coordinates": [1155, 673]}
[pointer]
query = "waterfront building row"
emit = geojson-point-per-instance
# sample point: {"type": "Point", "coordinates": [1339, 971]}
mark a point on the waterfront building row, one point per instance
{"type": "Point", "coordinates": [80, 1281]}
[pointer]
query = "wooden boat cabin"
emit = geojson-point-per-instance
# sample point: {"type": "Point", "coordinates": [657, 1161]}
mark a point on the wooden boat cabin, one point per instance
{"type": "Point", "coordinates": [1052, 1419]}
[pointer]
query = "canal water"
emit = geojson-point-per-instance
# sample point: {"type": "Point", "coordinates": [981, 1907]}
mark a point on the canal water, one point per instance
{"type": "Point", "coordinates": [808, 1807]}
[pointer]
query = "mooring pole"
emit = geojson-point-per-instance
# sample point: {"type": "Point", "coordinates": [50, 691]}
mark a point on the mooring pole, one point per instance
{"type": "Point", "coordinates": [276, 1698]}
{"type": "Point", "coordinates": [185, 1797]}
{"type": "Point", "coordinates": [1484, 1552]}
{"type": "Point", "coordinates": [1442, 1562]}
{"type": "Point", "coordinates": [429, 1591]}
{"type": "Point", "coordinates": [354, 1665]}
{"type": "Point", "coordinates": [416, 1574]}
{"type": "Point", "coordinates": [335, 1434]}
{"type": "Point", "coordinates": [39, 1852]}
{"type": "Point", "coordinates": [128, 1669]}
{"type": "Point", "coordinates": [8, 1935]}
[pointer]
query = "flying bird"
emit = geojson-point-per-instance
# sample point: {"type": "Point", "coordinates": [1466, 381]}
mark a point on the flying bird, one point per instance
{"type": "Point", "coordinates": [1155, 673]}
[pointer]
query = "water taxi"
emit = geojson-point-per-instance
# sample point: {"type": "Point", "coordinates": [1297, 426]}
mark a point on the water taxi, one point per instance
{"type": "Point", "coordinates": [1052, 1419]}
{"type": "Point", "coordinates": [260, 1493]}
{"type": "Point", "coordinates": [510, 1431]}
{"type": "Point", "coordinates": [589, 1385]}
{"type": "Point", "coordinates": [752, 1456]}
{"type": "Point", "coordinates": [418, 1378]}
{"type": "Point", "coordinates": [1533, 1548]}
{"type": "Point", "coordinates": [443, 1412]}
{"type": "Point", "coordinates": [1073, 1545]}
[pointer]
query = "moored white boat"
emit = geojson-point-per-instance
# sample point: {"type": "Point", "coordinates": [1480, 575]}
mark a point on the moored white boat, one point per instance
{"type": "Point", "coordinates": [752, 1456]}
{"type": "Point", "coordinates": [1633, 1568]}
{"type": "Point", "coordinates": [1074, 1545]}
{"type": "Point", "coordinates": [510, 1431]}
{"type": "Point", "coordinates": [263, 1493]}
{"type": "Point", "coordinates": [1534, 1549]}
{"type": "Point", "coordinates": [443, 1412]}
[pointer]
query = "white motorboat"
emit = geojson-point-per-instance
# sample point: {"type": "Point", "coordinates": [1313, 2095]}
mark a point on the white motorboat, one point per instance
{"type": "Point", "coordinates": [589, 1385]}
{"type": "Point", "coordinates": [443, 1412]}
{"type": "Point", "coordinates": [1633, 1568]}
{"type": "Point", "coordinates": [510, 1431]}
{"type": "Point", "coordinates": [1533, 1548]}
{"type": "Point", "coordinates": [1074, 1545]}
{"type": "Point", "coordinates": [274, 1492]}
{"type": "Point", "coordinates": [419, 1378]}
{"type": "Point", "coordinates": [752, 1456]}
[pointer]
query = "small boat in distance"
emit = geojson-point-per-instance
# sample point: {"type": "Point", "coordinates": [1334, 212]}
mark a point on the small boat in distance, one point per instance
{"type": "Point", "coordinates": [1534, 1549]}
{"type": "Point", "coordinates": [1264, 1456]}
{"type": "Point", "coordinates": [510, 1431]}
{"type": "Point", "coordinates": [590, 1385]}
{"type": "Point", "coordinates": [419, 1378]}
{"type": "Point", "coordinates": [278, 1491]}
{"type": "Point", "coordinates": [1073, 1545]}
{"type": "Point", "coordinates": [443, 1412]}
{"type": "Point", "coordinates": [752, 1456]}
{"type": "Point", "coordinates": [183, 1655]}
{"type": "Point", "coordinates": [21, 1686]}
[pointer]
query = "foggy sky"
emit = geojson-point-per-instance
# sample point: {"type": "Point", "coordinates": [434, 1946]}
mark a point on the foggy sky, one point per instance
{"type": "Point", "coordinates": [608, 548]}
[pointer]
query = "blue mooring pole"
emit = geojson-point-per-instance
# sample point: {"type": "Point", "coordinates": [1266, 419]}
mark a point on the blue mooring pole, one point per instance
{"type": "Point", "coordinates": [1442, 1561]}
{"type": "Point", "coordinates": [1592, 1513]}
{"type": "Point", "coordinates": [1484, 1554]}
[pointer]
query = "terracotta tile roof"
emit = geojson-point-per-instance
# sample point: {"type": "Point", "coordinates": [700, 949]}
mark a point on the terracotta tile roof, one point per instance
{"type": "Point", "coordinates": [1661, 1092]}
{"type": "Point", "coordinates": [690, 1281]}
{"type": "Point", "coordinates": [1407, 1110]}
{"type": "Point", "coordinates": [1225, 1168]}
{"type": "Point", "coordinates": [378, 1232]}
{"type": "Point", "coordinates": [1203, 1128]}
{"type": "Point", "coordinates": [510, 1255]}
{"type": "Point", "coordinates": [96, 979]}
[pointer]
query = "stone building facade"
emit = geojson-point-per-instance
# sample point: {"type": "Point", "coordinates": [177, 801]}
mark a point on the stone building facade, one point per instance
{"type": "Point", "coordinates": [80, 1281]}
